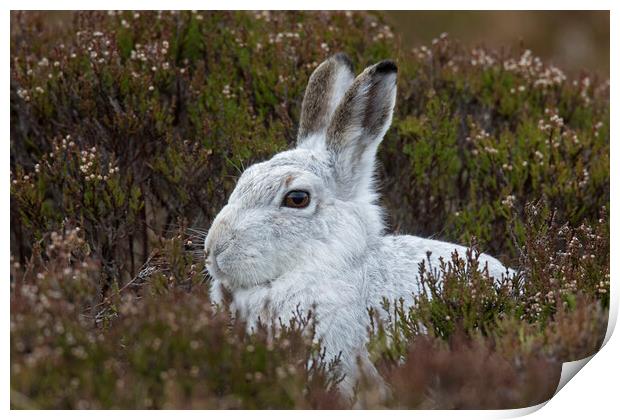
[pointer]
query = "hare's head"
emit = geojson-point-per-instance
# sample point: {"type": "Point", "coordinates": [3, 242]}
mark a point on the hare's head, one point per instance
{"type": "Point", "coordinates": [313, 206]}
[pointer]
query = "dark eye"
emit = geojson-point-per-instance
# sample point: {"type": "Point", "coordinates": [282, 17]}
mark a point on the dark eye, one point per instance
{"type": "Point", "coordinates": [296, 199]}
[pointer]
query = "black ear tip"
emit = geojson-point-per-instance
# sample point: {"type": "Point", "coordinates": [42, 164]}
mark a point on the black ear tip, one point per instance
{"type": "Point", "coordinates": [386, 66]}
{"type": "Point", "coordinates": [344, 59]}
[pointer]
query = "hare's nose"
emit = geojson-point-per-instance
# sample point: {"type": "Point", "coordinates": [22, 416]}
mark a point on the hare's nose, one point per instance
{"type": "Point", "coordinates": [216, 242]}
{"type": "Point", "coordinates": [208, 249]}
{"type": "Point", "coordinates": [221, 233]}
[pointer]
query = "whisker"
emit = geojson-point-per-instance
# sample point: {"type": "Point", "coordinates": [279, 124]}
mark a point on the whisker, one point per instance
{"type": "Point", "coordinates": [234, 166]}
{"type": "Point", "coordinates": [198, 231]}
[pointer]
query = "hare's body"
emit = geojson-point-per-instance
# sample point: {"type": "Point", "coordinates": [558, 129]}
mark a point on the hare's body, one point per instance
{"type": "Point", "coordinates": [342, 294]}
{"type": "Point", "coordinates": [304, 229]}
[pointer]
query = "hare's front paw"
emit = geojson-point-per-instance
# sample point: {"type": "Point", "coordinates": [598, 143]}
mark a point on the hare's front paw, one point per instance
{"type": "Point", "coordinates": [217, 292]}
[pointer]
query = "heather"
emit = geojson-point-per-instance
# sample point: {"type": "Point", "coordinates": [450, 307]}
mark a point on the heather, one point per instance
{"type": "Point", "coordinates": [128, 131]}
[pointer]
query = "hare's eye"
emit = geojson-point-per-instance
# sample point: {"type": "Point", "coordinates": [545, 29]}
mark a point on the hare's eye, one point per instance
{"type": "Point", "coordinates": [296, 199]}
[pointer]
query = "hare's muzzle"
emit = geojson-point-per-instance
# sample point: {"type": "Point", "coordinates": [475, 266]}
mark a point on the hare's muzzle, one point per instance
{"type": "Point", "coordinates": [219, 235]}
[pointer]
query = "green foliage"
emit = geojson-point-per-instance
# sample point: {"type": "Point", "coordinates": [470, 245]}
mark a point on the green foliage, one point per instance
{"type": "Point", "coordinates": [128, 131]}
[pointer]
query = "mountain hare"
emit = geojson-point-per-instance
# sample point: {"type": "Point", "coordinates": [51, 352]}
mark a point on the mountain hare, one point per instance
{"type": "Point", "coordinates": [304, 227]}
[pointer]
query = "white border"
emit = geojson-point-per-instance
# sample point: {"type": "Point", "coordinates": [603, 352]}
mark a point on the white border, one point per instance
{"type": "Point", "coordinates": [314, 5]}
{"type": "Point", "coordinates": [593, 394]}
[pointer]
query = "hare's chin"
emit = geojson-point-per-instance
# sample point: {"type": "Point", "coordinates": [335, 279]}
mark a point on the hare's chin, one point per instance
{"type": "Point", "coordinates": [231, 282]}
{"type": "Point", "coordinates": [215, 271]}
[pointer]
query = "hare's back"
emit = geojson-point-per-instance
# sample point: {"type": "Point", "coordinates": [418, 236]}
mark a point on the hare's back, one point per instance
{"type": "Point", "coordinates": [400, 257]}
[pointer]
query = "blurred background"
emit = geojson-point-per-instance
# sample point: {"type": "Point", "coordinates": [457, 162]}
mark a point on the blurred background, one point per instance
{"type": "Point", "coordinates": [572, 40]}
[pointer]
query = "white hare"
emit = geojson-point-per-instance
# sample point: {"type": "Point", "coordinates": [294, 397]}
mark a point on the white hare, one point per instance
{"type": "Point", "coordinates": [304, 227]}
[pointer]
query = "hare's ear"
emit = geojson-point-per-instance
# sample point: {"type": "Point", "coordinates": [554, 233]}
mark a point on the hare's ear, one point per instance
{"type": "Point", "coordinates": [358, 126]}
{"type": "Point", "coordinates": [326, 87]}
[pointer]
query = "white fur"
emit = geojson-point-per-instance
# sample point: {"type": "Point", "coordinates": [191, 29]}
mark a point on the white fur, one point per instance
{"type": "Point", "coordinates": [334, 253]}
